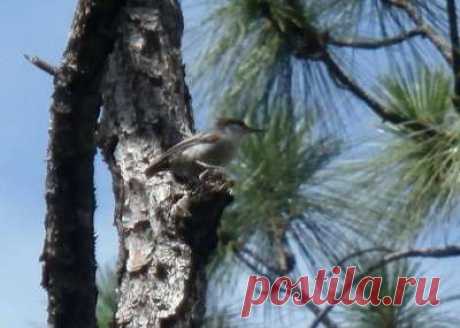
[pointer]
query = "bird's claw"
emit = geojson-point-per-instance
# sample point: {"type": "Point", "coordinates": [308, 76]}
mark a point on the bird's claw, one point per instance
{"type": "Point", "coordinates": [217, 179]}
{"type": "Point", "coordinates": [226, 185]}
{"type": "Point", "coordinates": [216, 172]}
{"type": "Point", "coordinates": [203, 175]}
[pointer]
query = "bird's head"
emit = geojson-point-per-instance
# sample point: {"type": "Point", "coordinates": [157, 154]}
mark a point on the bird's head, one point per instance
{"type": "Point", "coordinates": [235, 127]}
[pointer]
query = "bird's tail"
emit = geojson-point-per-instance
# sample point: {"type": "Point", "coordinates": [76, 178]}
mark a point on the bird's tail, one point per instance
{"type": "Point", "coordinates": [158, 165]}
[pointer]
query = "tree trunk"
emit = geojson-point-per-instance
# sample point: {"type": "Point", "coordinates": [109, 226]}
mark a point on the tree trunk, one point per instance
{"type": "Point", "coordinates": [167, 227]}
{"type": "Point", "coordinates": [68, 254]}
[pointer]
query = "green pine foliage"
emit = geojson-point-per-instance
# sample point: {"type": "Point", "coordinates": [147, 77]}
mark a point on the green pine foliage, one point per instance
{"type": "Point", "coordinates": [107, 297]}
{"type": "Point", "coordinates": [419, 170]}
{"type": "Point", "coordinates": [273, 172]}
{"type": "Point", "coordinates": [286, 198]}
{"type": "Point", "coordinates": [406, 315]}
{"type": "Point", "coordinates": [297, 197]}
{"type": "Point", "coordinates": [248, 55]}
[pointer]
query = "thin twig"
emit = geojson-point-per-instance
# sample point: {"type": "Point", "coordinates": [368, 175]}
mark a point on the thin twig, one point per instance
{"type": "Point", "coordinates": [442, 252]}
{"type": "Point", "coordinates": [448, 251]}
{"type": "Point", "coordinates": [372, 44]}
{"type": "Point", "coordinates": [270, 269]}
{"type": "Point", "coordinates": [353, 87]}
{"type": "Point", "coordinates": [362, 252]}
{"type": "Point", "coordinates": [436, 39]}
{"type": "Point", "coordinates": [394, 118]}
{"type": "Point", "coordinates": [246, 262]}
{"type": "Point", "coordinates": [272, 273]}
{"type": "Point", "coordinates": [43, 65]}
{"type": "Point", "coordinates": [340, 75]}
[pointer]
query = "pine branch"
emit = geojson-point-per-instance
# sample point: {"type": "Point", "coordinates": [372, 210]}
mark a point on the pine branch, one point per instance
{"type": "Point", "coordinates": [440, 252]}
{"type": "Point", "coordinates": [309, 44]}
{"type": "Point", "coordinates": [372, 44]}
{"type": "Point", "coordinates": [272, 273]}
{"type": "Point", "coordinates": [325, 320]}
{"type": "Point", "coordinates": [337, 72]}
{"type": "Point", "coordinates": [362, 252]}
{"type": "Point", "coordinates": [252, 266]}
{"type": "Point", "coordinates": [436, 39]}
{"type": "Point", "coordinates": [257, 261]}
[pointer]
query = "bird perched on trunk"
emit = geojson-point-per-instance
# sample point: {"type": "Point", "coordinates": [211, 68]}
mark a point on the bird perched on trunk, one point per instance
{"type": "Point", "coordinates": [206, 150]}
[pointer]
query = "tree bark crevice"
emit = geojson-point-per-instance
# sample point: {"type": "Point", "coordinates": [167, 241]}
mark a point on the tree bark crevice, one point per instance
{"type": "Point", "coordinates": [167, 227]}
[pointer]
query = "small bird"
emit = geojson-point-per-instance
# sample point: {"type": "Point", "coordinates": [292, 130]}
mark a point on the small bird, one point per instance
{"type": "Point", "coordinates": [208, 150]}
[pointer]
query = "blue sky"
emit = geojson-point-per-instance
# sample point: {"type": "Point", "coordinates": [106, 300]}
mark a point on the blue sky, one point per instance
{"type": "Point", "coordinates": [36, 28]}
{"type": "Point", "coordinates": [41, 28]}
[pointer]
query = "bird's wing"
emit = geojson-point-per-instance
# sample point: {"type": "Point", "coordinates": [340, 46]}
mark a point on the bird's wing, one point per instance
{"type": "Point", "coordinates": [204, 137]}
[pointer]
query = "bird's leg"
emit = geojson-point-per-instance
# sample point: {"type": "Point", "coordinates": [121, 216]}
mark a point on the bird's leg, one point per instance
{"type": "Point", "coordinates": [224, 183]}
{"type": "Point", "coordinates": [203, 174]}
{"type": "Point", "coordinates": [208, 168]}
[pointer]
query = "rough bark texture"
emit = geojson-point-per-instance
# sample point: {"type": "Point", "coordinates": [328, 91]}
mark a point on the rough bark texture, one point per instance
{"type": "Point", "coordinates": [167, 226]}
{"type": "Point", "coordinates": [68, 254]}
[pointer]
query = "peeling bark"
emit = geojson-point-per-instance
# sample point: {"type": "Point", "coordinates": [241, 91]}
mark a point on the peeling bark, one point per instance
{"type": "Point", "coordinates": [167, 226]}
